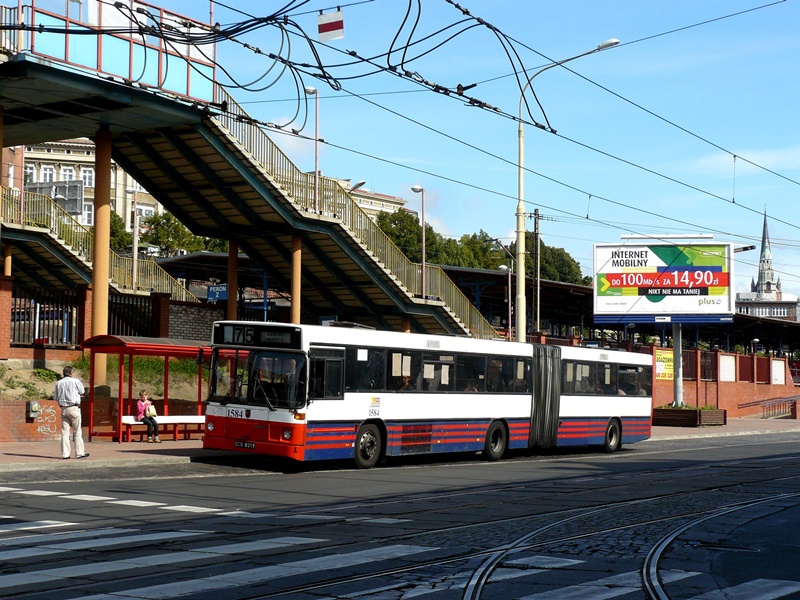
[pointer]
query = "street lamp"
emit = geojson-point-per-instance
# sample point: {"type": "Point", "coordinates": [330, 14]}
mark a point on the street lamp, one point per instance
{"type": "Point", "coordinates": [135, 231]}
{"type": "Point", "coordinates": [418, 189]}
{"type": "Point", "coordinates": [315, 92]}
{"type": "Point", "coordinates": [520, 214]}
{"type": "Point", "coordinates": [357, 185]}
{"type": "Point", "coordinates": [509, 269]}
{"type": "Point", "coordinates": [753, 343]}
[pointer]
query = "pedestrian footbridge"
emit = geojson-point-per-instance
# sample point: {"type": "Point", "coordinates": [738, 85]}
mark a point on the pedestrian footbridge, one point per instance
{"type": "Point", "coordinates": [220, 174]}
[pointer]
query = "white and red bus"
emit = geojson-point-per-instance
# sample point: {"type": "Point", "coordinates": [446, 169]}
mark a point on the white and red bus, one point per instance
{"type": "Point", "coordinates": [311, 392]}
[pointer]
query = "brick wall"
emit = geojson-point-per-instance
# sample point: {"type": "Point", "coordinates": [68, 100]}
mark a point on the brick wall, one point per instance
{"type": "Point", "coordinates": [191, 321]}
{"type": "Point", "coordinates": [16, 427]}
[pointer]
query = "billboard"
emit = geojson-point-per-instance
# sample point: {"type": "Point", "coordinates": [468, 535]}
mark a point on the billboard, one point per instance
{"type": "Point", "coordinates": [663, 283]}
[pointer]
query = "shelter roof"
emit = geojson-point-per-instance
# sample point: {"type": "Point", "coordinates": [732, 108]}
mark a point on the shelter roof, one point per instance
{"type": "Point", "coordinates": [144, 346]}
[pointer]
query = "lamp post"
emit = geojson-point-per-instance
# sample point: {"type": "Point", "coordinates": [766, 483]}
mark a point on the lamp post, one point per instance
{"type": "Point", "coordinates": [509, 269]}
{"type": "Point", "coordinates": [418, 189]}
{"type": "Point", "coordinates": [520, 214]}
{"type": "Point", "coordinates": [753, 343]}
{"type": "Point", "coordinates": [315, 92]}
{"type": "Point", "coordinates": [135, 232]}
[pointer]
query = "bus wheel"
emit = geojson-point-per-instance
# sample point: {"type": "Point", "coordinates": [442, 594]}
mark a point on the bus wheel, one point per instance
{"type": "Point", "coordinates": [496, 441]}
{"type": "Point", "coordinates": [368, 446]}
{"type": "Point", "coordinates": [613, 437]}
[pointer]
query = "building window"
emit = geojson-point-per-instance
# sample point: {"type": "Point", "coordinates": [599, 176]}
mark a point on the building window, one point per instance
{"type": "Point", "coordinates": [87, 176]}
{"type": "Point", "coordinates": [88, 214]}
{"type": "Point", "coordinates": [67, 173]}
{"type": "Point", "coordinates": [48, 173]}
{"type": "Point", "coordinates": [30, 173]}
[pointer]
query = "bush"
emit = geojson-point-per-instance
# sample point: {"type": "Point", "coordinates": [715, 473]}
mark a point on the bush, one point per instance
{"type": "Point", "coordinates": [45, 375]}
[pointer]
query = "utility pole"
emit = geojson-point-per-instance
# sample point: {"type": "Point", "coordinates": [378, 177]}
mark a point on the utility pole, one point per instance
{"type": "Point", "coordinates": [538, 272]}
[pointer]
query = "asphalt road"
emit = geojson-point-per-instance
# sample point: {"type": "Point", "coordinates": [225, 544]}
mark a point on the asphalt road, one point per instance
{"type": "Point", "coordinates": [691, 518]}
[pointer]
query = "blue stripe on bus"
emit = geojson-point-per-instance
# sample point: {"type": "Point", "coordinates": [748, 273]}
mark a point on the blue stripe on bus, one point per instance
{"type": "Point", "coordinates": [581, 431]}
{"type": "Point", "coordinates": [337, 440]}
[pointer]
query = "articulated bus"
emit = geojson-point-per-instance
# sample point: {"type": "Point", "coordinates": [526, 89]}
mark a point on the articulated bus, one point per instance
{"type": "Point", "coordinates": [311, 392]}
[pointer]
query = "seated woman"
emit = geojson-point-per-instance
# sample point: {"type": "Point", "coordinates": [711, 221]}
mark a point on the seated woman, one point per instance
{"type": "Point", "coordinates": [145, 406]}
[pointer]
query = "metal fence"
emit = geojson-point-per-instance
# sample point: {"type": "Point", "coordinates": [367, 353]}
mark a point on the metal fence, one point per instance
{"type": "Point", "coordinates": [43, 316]}
{"type": "Point", "coordinates": [130, 315]}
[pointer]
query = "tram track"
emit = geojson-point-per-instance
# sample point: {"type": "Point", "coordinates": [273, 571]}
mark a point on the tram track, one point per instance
{"type": "Point", "coordinates": [492, 557]}
{"type": "Point", "coordinates": [652, 583]}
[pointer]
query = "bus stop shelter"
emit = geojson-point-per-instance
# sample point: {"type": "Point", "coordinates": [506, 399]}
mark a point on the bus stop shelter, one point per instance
{"type": "Point", "coordinates": [127, 349]}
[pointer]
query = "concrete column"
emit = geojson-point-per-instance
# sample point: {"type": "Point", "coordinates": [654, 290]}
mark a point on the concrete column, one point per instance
{"type": "Point", "coordinates": [5, 315]}
{"type": "Point", "coordinates": [406, 325]}
{"type": "Point", "coordinates": [102, 240]}
{"type": "Point", "coordinates": [297, 255]}
{"type": "Point", "coordinates": [233, 280]}
{"type": "Point", "coordinates": [7, 251]}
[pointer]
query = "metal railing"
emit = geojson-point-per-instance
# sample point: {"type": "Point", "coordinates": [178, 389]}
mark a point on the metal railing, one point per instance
{"type": "Point", "coordinates": [335, 202]}
{"type": "Point", "coordinates": [37, 210]}
{"type": "Point", "coordinates": [43, 316]}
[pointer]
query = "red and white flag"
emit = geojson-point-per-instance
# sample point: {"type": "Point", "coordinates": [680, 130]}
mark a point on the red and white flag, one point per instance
{"type": "Point", "coordinates": [331, 26]}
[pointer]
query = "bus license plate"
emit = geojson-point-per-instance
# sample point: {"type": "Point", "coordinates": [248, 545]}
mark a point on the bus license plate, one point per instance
{"type": "Point", "coordinates": [248, 445]}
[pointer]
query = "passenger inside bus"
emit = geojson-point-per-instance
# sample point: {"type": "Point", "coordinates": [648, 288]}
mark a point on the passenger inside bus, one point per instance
{"type": "Point", "coordinates": [405, 383]}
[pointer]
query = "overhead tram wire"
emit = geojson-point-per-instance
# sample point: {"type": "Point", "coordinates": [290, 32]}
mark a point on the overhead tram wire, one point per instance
{"type": "Point", "coordinates": [183, 39]}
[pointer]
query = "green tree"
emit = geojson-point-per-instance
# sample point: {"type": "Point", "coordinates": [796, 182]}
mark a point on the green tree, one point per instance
{"type": "Point", "coordinates": [476, 251]}
{"type": "Point", "coordinates": [121, 240]}
{"type": "Point", "coordinates": [556, 264]}
{"type": "Point", "coordinates": [170, 235]}
{"type": "Point", "coordinates": [402, 227]}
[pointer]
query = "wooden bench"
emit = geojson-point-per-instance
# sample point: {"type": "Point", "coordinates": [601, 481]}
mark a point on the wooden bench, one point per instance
{"type": "Point", "coordinates": [189, 423]}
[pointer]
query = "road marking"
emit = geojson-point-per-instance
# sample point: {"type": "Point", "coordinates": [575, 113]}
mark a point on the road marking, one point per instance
{"type": "Point", "coordinates": [8, 489]}
{"type": "Point", "coordinates": [763, 589]}
{"type": "Point", "coordinates": [73, 535]}
{"type": "Point", "coordinates": [146, 561]}
{"type": "Point", "coordinates": [191, 509]}
{"type": "Point", "coordinates": [608, 587]}
{"type": "Point", "coordinates": [139, 503]}
{"type": "Point", "coordinates": [40, 493]}
{"type": "Point", "coordinates": [27, 525]}
{"type": "Point", "coordinates": [312, 517]}
{"type": "Point", "coordinates": [298, 568]}
{"type": "Point", "coordinates": [91, 544]}
{"type": "Point", "coordinates": [245, 515]}
{"type": "Point", "coordinates": [89, 498]}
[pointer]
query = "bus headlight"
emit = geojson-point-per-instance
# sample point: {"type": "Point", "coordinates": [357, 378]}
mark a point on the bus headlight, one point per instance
{"type": "Point", "coordinates": [287, 434]}
{"type": "Point", "coordinates": [210, 426]}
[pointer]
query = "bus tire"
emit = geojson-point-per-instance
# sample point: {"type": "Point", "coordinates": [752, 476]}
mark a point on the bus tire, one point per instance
{"type": "Point", "coordinates": [613, 439]}
{"type": "Point", "coordinates": [369, 445]}
{"type": "Point", "coordinates": [496, 441]}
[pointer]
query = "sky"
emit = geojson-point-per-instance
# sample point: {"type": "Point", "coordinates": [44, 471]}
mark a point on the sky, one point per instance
{"type": "Point", "coordinates": [689, 126]}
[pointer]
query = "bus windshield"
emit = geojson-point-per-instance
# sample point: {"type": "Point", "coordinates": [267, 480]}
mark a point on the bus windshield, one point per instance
{"type": "Point", "coordinates": [272, 378]}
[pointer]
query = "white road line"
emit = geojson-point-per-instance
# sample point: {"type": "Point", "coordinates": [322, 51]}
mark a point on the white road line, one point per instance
{"type": "Point", "coordinates": [40, 538]}
{"type": "Point", "coordinates": [763, 589]}
{"type": "Point", "coordinates": [40, 493]}
{"type": "Point", "coordinates": [258, 575]}
{"type": "Point", "coordinates": [149, 560]}
{"type": "Point", "coordinates": [245, 515]}
{"type": "Point", "coordinates": [91, 544]}
{"type": "Point", "coordinates": [27, 525]}
{"type": "Point", "coordinates": [191, 509]}
{"type": "Point", "coordinates": [312, 517]}
{"type": "Point", "coordinates": [139, 503]}
{"type": "Point", "coordinates": [89, 497]}
{"type": "Point", "coordinates": [608, 587]}
{"type": "Point", "coordinates": [8, 489]}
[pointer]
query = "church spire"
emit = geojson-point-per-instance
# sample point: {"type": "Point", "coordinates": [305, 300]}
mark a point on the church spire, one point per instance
{"type": "Point", "coordinates": [766, 286]}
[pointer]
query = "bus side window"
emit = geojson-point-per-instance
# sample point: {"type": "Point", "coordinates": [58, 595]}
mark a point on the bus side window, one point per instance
{"type": "Point", "coordinates": [327, 374]}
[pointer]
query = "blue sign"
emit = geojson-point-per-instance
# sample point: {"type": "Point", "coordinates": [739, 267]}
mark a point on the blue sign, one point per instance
{"type": "Point", "coordinates": [217, 292]}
